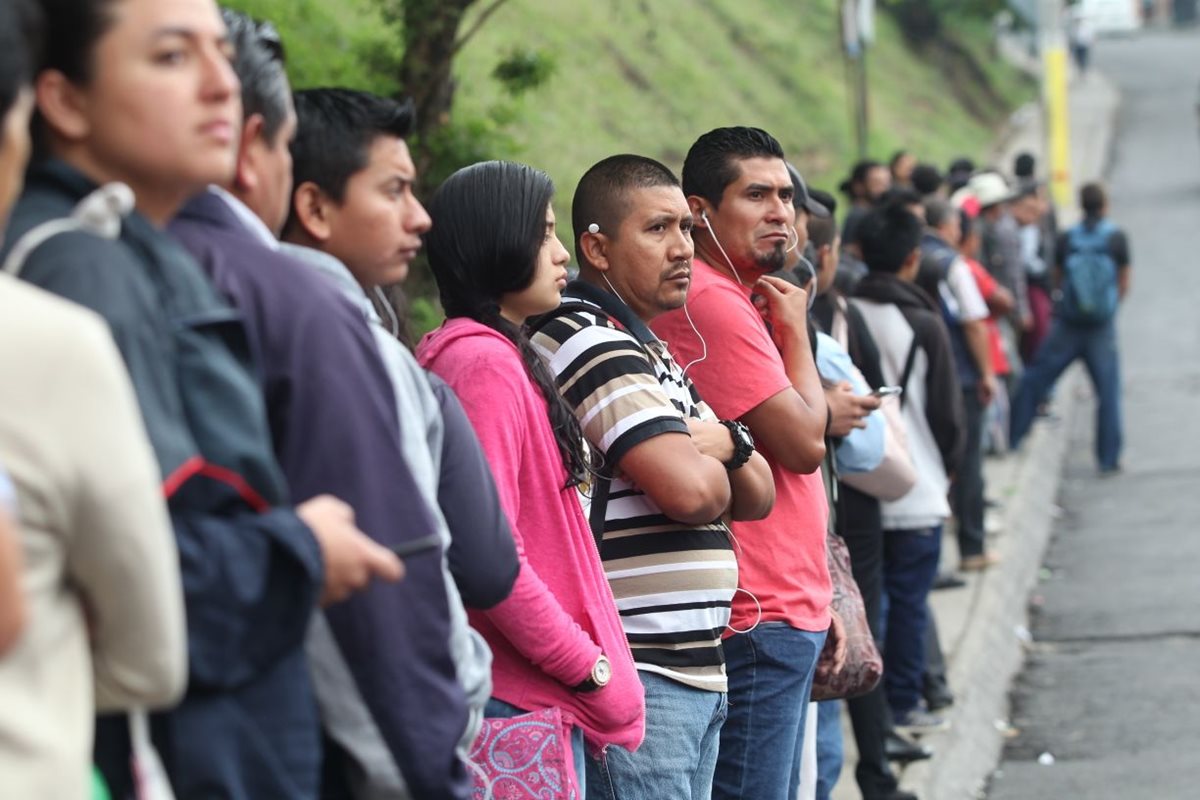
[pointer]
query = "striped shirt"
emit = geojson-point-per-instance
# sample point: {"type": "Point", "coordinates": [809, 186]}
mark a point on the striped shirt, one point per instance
{"type": "Point", "coordinates": [673, 582]}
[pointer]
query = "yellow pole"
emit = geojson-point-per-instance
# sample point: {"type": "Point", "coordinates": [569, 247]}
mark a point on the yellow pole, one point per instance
{"type": "Point", "coordinates": [1058, 126]}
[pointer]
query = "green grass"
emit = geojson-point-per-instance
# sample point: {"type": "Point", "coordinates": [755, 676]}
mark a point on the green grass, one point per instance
{"type": "Point", "coordinates": [649, 76]}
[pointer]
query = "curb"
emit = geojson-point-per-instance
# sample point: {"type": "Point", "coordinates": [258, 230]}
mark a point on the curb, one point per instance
{"type": "Point", "coordinates": [991, 652]}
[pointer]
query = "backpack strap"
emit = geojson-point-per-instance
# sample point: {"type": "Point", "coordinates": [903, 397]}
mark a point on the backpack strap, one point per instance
{"type": "Point", "coordinates": [100, 213]}
{"type": "Point", "coordinates": [909, 361]}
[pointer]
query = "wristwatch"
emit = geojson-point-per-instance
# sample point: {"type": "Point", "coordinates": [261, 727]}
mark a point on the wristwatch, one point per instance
{"type": "Point", "coordinates": [601, 675]}
{"type": "Point", "coordinates": [743, 444]}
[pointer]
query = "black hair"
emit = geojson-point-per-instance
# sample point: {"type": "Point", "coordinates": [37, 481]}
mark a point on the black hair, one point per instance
{"type": "Point", "coordinates": [822, 230]}
{"type": "Point", "coordinates": [1024, 165]}
{"type": "Point", "coordinates": [1093, 200]}
{"type": "Point", "coordinates": [858, 175]}
{"type": "Point", "coordinates": [926, 179]}
{"type": "Point", "coordinates": [600, 195]}
{"type": "Point", "coordinates": [259, 63]}
{"type": "Point", "coordinates": [959, 173]}
{"type": "Point", "coordinates": [937, 212]}
{"type": "Point", "coordinates": [900, 196]}
{"type": "Point", "coordinates": [20, 44]}
{"type": "Point", "coordinates": [73, 28]}
{"type": "Point", "coordinates": [335, 131]}
{"type": "Point", "coordinates": [489, 223]}
{"type": "Point", "coordinates": [887, 236]}
{"type": "Point", "coordinates": [966, 223]}
{"type": "Point", "coordinates": [711, 163]}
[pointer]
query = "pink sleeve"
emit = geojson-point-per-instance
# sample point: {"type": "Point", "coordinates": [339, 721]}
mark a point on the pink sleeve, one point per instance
{"type": "Point", "coordinates": [743, 368]}
{"type": "Point", "coordinates": [496, 401]}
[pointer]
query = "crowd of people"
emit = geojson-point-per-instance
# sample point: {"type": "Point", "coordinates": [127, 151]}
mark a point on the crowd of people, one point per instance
{"type": "Point", "coordinates": [253, 546]}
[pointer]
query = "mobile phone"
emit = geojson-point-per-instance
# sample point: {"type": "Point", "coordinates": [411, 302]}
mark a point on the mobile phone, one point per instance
{"type": "Point", "coordinates": [887, 391]}
{"type": "Point", "coordinates": [416, 546]}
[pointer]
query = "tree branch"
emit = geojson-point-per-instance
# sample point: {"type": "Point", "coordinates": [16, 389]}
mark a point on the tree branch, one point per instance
{"type": "Point", "coordinates": [477, 24]}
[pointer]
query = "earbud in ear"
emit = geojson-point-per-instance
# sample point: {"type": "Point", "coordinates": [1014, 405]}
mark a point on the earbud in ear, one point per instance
{"type": "Point", "coordinates": [593, 228]}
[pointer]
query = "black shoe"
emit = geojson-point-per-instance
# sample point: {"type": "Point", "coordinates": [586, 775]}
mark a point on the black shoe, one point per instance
{"type": "Point", "coordinates": [895, 794]}
{"type": "Point", "coordinates": [948, 580]}
{"type": "Point", "coordinates": [938, 695]}
{"type": "Point", "coordinates": [900, 749]}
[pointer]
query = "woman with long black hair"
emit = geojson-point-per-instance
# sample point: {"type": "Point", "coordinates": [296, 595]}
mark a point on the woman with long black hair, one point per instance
{"type": "Point", "coordinates": [557, 640]}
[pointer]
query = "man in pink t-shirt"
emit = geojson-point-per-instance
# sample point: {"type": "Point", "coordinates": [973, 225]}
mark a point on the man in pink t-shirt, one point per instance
{"type": "Point", "coordinates": [757, 366]}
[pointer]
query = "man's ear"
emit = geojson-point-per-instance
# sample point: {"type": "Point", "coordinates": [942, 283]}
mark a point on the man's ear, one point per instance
{"type": "Point", "coordinates": [246, 177]}
{"type": "Point", "coordinates": [594, 248]}
{"type": "Point", "coordinates": [312, 211]}
{"type": "Point", "coordinates": [62, 105]}
{"type": "Point", "coordinates": [912, 264]}
{"type": "Point", "coordinates": [698, 205]}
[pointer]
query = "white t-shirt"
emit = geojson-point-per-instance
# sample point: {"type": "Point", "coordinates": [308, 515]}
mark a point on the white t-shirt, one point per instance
{"type": "Point", "coordinates": [961, 294]}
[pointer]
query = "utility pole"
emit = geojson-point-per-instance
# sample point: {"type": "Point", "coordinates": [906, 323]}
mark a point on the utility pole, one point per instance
{"type": "Point", "coordinates": [858, 31]}
{"type": "Point", "coordinates": [1052, 42]}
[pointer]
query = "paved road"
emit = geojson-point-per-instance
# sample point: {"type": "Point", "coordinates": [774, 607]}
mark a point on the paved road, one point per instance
{"type": "Point", "coordinates": [1112, 687]}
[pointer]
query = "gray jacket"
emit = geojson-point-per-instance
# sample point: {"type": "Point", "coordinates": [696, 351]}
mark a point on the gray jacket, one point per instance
{"type": "Point", "coordinates": [421, 433]}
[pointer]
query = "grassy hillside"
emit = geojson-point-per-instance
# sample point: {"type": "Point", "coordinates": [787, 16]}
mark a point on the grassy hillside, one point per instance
{"type": "Point", "coordinates": [649, 76]}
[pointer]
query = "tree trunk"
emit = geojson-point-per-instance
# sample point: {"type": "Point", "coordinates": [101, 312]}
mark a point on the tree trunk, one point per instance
{"type": "Point", "coordinates": [426, 71]}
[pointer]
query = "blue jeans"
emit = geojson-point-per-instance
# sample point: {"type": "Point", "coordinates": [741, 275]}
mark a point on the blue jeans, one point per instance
{"type": "Point", "coordinates": [829, 747]}
{"type": "Point", "coordinates": [910, 562]}
{"type": "Point", "coordinates": [502, 710]}
{"type": "Point", "coordinates": [1065, 344]}
{"type": "Point", "coordinates": [770, 681]}
{"type": "Point", "coordinates": [678, 755]}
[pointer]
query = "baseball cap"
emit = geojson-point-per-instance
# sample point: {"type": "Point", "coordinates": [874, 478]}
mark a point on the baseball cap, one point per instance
{"type": "Point", "coordinates": [803, 199]}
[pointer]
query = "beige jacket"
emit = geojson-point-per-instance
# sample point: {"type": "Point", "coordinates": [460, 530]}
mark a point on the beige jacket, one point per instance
{"type": "Point", "coordinates": [105, 628]}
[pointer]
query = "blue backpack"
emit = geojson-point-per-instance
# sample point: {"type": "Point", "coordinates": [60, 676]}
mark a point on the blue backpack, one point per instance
{"type": "Point", "coordinates": [1089, 291]}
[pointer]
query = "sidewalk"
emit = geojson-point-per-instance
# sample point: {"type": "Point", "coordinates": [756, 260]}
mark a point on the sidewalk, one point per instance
{"type": "Point", "coordinates": [983, 626]}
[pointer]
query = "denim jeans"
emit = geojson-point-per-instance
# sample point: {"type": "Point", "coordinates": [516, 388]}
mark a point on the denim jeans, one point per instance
{"type": "Point", "coordinates": [1065, 344]}
{"type": "Point", "coordinates": [829, 747]}
{"type": "Point", "coordinates": [501, 710]}
{"type": "Point", "coordinates": [678, 755]}
{"type": "Point", "coordinates": [910, 562]}
{"type": "Point", "coordinates": [770, 681]}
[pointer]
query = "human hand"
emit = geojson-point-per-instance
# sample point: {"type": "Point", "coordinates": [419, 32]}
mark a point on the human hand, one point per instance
{"type": "Point", "coordinates": [837, 633]}
{"type": "Point", "coordinates": [987, 390]}
{"type": "Point", "coordinates": [351, 558]}
{"type": "Point", "coordinates": [783, 305]}
{"type": "Point", "coordinates": [848, 410]}
{"type": "Point", "coordinates": [711, 439]}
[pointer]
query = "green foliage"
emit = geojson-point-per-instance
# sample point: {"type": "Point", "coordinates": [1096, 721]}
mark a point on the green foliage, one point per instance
{"type": "Point", "coordinates": [563, 84]}
{"type": "Point", "coordinates": [523, 70]}
{"type": "Point", "coordinates": [343, 43]}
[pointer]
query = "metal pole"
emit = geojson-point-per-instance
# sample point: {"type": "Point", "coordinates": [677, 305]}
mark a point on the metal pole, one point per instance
{"type": "Point", "coordinates": [864, 119]}
{"type": "Point", "coordinates": [1053, 45]}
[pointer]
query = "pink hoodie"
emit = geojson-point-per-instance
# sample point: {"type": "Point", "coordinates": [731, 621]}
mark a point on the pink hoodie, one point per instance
{"type": "Point", "coordinates": [561, 614]}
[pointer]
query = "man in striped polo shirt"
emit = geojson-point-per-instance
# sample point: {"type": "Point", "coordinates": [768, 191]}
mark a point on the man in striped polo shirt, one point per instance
{"type": "Point", "coordinates": [671, 471]}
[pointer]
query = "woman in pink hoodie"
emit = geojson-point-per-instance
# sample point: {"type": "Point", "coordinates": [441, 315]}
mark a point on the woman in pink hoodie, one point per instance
{"type": "Point", "coordinates": [557, 639]}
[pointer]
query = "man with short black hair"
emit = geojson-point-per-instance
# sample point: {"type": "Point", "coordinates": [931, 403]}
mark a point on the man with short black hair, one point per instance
{"type": "Point", "coordinates": [738, 186]}
{"type": "Point", "coordinates": [947, 278]}
{"type": "Point", "coordinates": [1092, 275]}
{"type": "Point", "coordinates": [915, 355]}
{"type": "Point", "coordinates": [672, 470]}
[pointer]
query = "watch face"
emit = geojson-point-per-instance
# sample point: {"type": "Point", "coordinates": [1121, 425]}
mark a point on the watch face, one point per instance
{"type": "Point", "coordinates": [602, 673]}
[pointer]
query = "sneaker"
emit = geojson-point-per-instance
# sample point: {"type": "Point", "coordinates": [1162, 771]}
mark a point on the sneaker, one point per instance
{"type": "Point", "coordinates": [920, 722]}
{"type": "Point", "coordinates": [897, 748]}
{"type": "Point", "coordinates": [978, 563]}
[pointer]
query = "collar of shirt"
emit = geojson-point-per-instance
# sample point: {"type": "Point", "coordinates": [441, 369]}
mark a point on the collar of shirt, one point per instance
{"type": "Point", "coordinates": [248, 218]}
